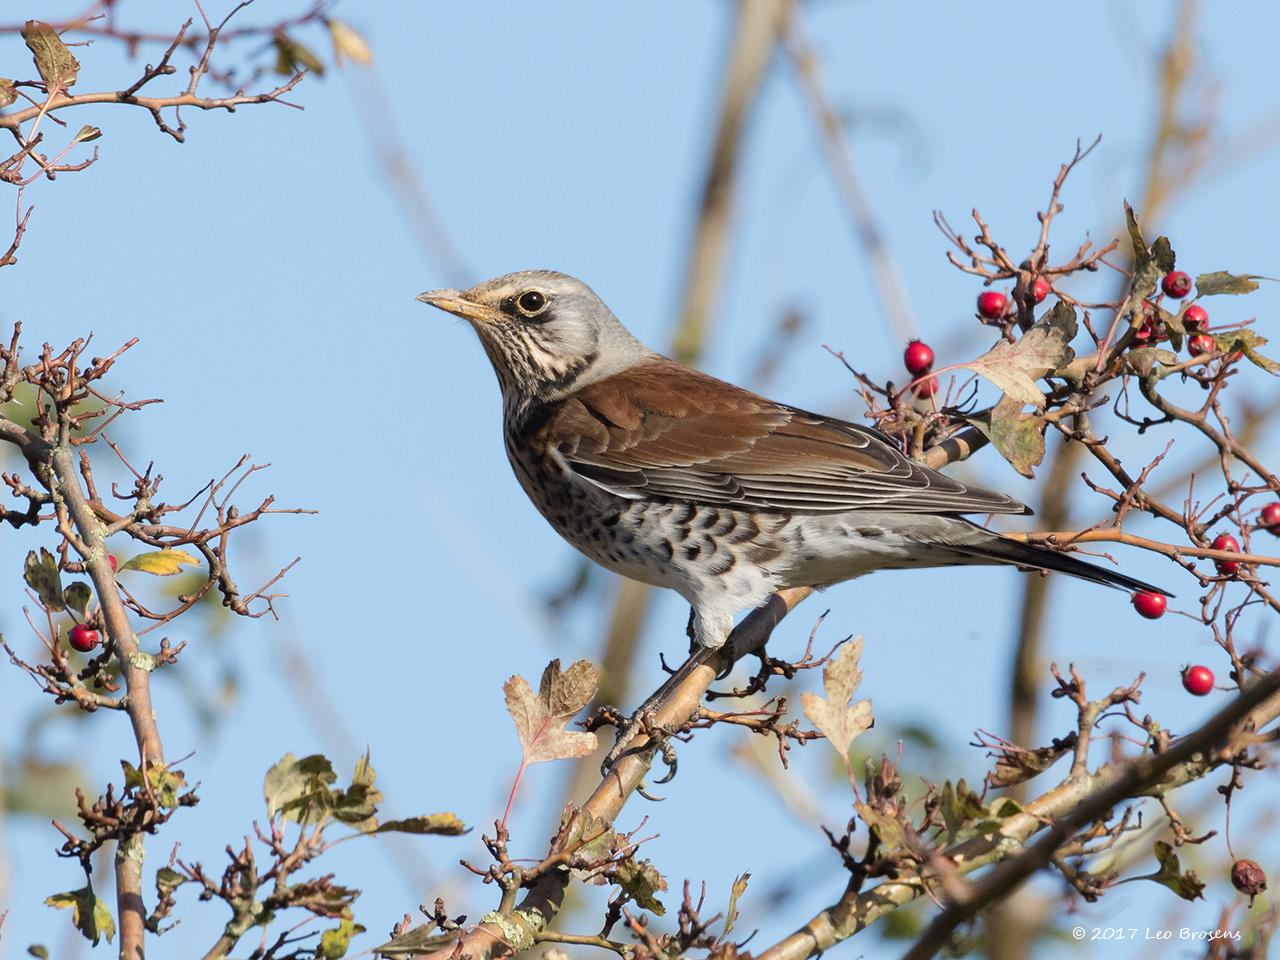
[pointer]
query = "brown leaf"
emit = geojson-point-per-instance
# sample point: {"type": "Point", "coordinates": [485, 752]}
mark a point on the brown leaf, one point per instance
{"type": "Point", "coordinates": [8, 92]}
{"type": "Point", "coordinates": [56, 64]}
{"type": "Point", "coordinates": [1015, 367]}
{"type": "Point", "coordinates": [837, 719]}
{"type": "Point", "coordinates": [540, 719]}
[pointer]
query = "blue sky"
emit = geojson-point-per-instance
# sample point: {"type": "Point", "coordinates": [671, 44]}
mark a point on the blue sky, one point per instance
{"type": "Point", "coordinates": [270, 274]}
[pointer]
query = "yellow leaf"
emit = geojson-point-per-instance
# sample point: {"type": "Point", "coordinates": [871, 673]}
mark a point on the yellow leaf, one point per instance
{"type": "Point", "coordinates": [347, 43]}
{"type": "Point", "coordinates": [160, 563]}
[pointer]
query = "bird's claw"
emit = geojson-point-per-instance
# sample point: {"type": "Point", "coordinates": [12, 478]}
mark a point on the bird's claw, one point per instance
{"type": "Point", "coordinates": [642, 722]}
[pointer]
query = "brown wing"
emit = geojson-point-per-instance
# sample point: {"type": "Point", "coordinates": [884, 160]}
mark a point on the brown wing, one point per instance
{"type": "Point", "coordinates": [663, 430]}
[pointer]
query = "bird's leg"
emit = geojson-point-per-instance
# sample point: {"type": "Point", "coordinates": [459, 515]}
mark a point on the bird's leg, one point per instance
{"type": "Point", "coordinates": [639, 721]}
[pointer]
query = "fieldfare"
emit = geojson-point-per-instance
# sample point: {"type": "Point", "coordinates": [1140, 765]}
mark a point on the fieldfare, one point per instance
{"type": "Point", "coordinates": [672, 477]}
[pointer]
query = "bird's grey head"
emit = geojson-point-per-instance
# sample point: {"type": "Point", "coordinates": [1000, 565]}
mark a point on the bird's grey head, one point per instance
{"type": "Point", "coordinates": [546, 333]}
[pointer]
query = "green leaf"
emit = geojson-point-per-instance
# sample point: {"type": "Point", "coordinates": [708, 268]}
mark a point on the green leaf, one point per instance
{"type": "Point", "coordinates": [642, 883]}
{"type": "Point", "coordinates": [1211, 284]}
{"type": "Point", "coordinates": [440, 824]}
{"type": "Point", "coordinates": [160, 563]}
{"type": "Point", "coordinates": [1015, 367]}
{"type": "Point", "coordinates": [291, 56]}
{"type": "Point", "coordinates": [334, 943]}
{"type": "Point", "coordinates": [86, 134]}
{"type": "Point", "coordinates": [299, 789]}
{"type": "Point", "coordinates": [54, 61]}
{"type": "Point", "coordinates": [961, 809]}
{"type": "Point", "coordinates": [166, 784]}
{"type": "Point", "coordinates": [89, 913]}
{"type": "Point", "coordinates": [359, 802]}
{"type": "Point", "coordinates": [41, 574]}
{"type": "Point", "coordinates": [77, 596]}
{"type": "Point", "coordinates": [887, 828]}
{"type": "Point", "coordinates": [1247, 342]}
{"type": "Point", "coordinates": [8, 94]}
{"type": "Point", "coordinates": [1017, 436]}
{"type": "Point", "coordinates": [38, 950]}
{"type": "Point", "coordinates": [168, 880]}
{"type": "Point", "coordinates": [1186, 885]}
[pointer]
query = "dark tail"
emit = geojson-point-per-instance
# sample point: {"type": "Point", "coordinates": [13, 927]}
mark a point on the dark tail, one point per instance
{"type": "Point", "coordinates": [994, 548]}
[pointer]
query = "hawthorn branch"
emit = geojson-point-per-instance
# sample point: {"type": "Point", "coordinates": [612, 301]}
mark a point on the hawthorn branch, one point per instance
{"type": "Point", "coordinates": [1061, 811]}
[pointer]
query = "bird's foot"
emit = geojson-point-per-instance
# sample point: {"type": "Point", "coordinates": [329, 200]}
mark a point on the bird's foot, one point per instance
{"type": "Point", "coordinates": [642, 722]}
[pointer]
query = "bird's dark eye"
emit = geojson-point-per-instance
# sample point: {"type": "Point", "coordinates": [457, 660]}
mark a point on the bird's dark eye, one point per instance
{"type": "Point", "coordinates": [530, 302]}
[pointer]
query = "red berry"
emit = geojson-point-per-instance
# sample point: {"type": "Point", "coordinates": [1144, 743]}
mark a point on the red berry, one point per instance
{"type": "Point", "coordinates": [82, 638]}
{"type": "Point", "coordinates": [1150, 605]}
{"type": "Point", "coordinates": [1197, 680]}
{"type": "Point", "coordinates": [1200, 344]}
{"type": "Point", "coordinates": [927, 387]}
{"type": "Point", "coordinates": [991, 304]}
{"type": "Point", "coordinates": [1146, 331]}
{"type": "Point", "coordinates": [1270, 518]}
{"type": "Point", "coordinates": [1176, 284]}
{"type": "Point", "coordinates": [1194, 318]}
{"type": "Point", "coordinates": [918, 357]}
{"type": "Point", "coordinates": [1229, 544]}
{"type": "Point", "coordinates": [111, 559]}
{"type": "Point", "coordinates": [1040, 289]}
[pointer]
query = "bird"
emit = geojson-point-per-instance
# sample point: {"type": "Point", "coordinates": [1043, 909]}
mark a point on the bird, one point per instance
{"type": "Point", "coordinates": [672, 477]}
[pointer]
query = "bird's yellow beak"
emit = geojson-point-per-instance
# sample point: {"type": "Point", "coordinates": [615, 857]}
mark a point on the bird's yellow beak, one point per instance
{"type": "Point", "coordinates": [452, 301]}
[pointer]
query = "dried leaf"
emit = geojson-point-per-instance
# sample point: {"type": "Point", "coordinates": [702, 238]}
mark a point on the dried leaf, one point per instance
{"type": "Point", "coordinates": [1015, 367]}
{"type": "Point", "coordinates": [1220, 281]}
{"type": "Point", "coordinates": [335, 942]}
{"type": "Point", "coordinates": [421, 939]}
{"type": "Point", "coordinates": [1017, 766]}
{"type": "Point", "coordinates": [53, 59]}
{"type": "Point", "coordinates": [1017, 436]}
{"type": "Point", "coordinates": [439, 824]}
{"type": "Point", "coordinates": [1149, 263]}
{"type": "Point", "coordinates": [89, 913]}
{"type": "Point", "coordinates": [839, 721]}
{"type": "Point", "coordinates": [540, 719]}
{"type": "Point", "coordinates": [642, 882]}
{"type": "Point", "coordinates": [1247, 342]}
{"type": "Point", "coordinates": [8, 92]}
{"type": "Point", "coordinates": [589, 840]}
{"type": "Point", "coordinates": [41, 573]}
{"type": "Point", "coordinates": [1186, 885]}
{"type": "Point", "coordinates": [737, 890]}
{"type": "Point", "coordinates": [160, 563]}
{"type": "Point", "coordinates": [77, 596]}
{"type": "Point", "coordinates": [348, 43]}
{"type": "Point", "coordinates": [1145, 359]}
